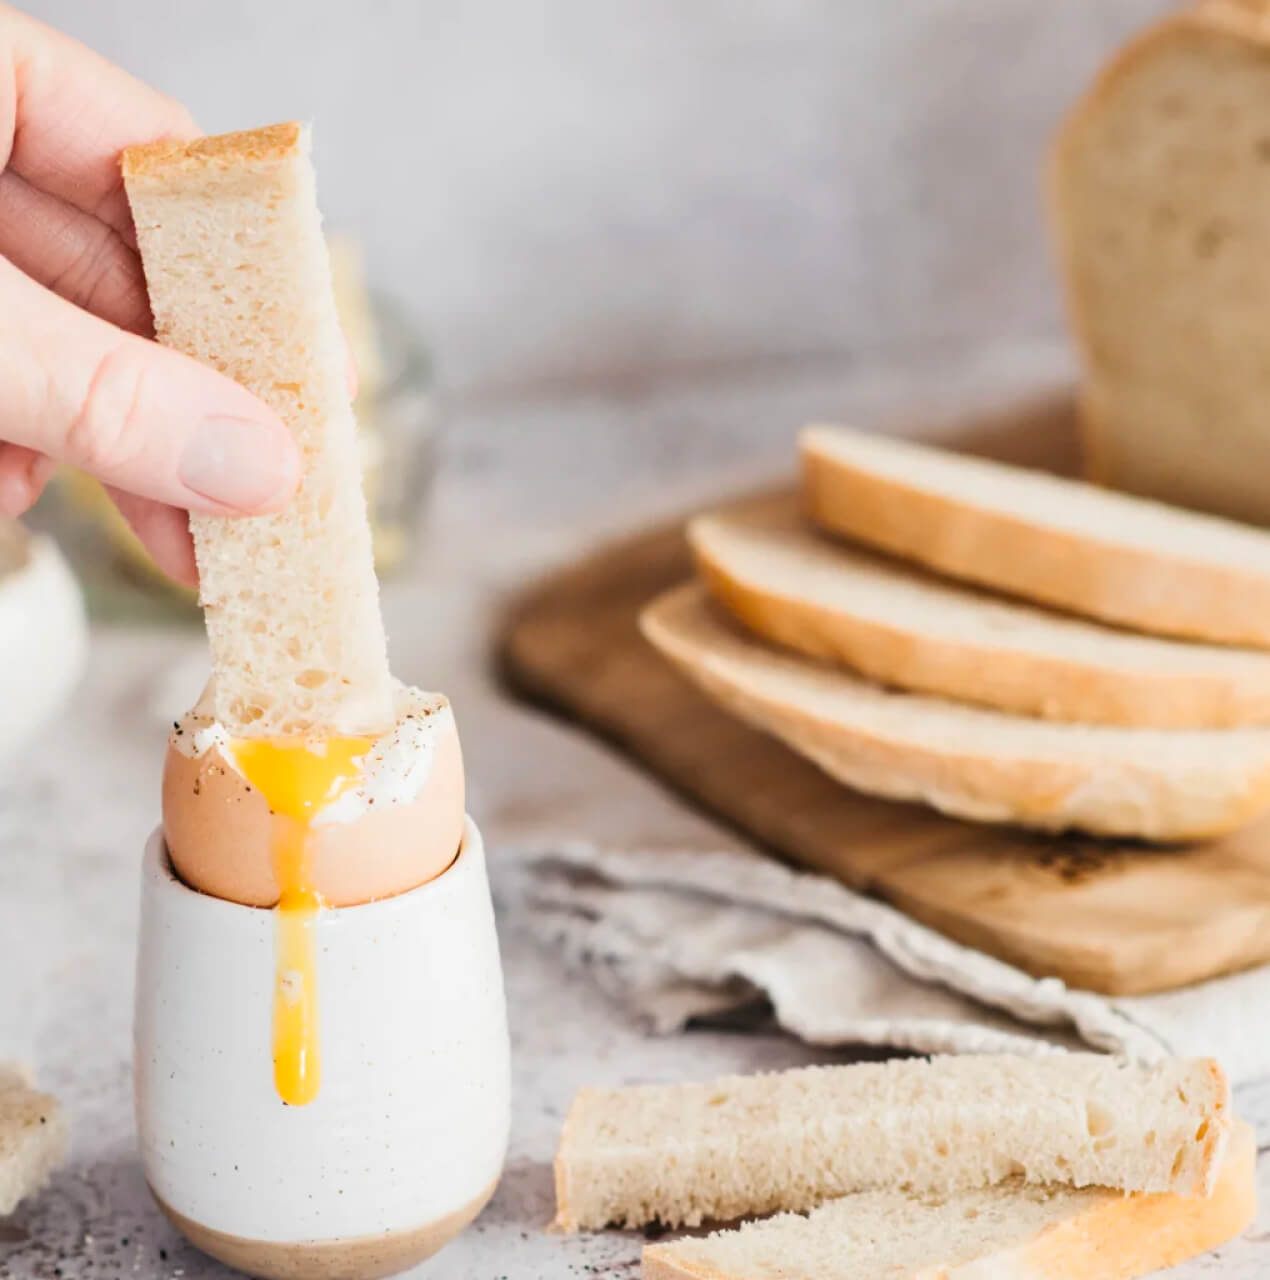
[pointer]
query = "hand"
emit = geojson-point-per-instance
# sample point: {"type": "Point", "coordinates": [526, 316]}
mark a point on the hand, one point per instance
{"type": "Point", "coordinates": [80, 381]}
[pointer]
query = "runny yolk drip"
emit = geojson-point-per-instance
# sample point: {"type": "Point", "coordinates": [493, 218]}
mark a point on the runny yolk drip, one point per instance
{"type": "Point", "coordinates": [297, 778]}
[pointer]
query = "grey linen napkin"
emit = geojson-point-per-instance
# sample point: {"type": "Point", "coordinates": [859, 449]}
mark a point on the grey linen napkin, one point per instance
{"type": "Point", "coordinates": [678, 936]}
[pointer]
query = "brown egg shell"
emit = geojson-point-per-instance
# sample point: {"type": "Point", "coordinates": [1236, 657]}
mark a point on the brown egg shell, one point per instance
{"type": "Point", "coordinates": [219, 834]}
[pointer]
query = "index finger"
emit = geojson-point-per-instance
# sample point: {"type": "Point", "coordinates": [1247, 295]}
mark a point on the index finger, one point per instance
{"type": "Point", "coordinates": [66, 114]}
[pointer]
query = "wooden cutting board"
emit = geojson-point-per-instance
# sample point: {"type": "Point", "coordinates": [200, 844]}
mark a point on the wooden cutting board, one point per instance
{"type": "Point", "coordinates": [1110, 916]}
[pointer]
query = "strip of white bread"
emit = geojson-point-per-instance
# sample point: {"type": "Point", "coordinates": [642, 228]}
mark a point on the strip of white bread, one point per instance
{"type": "Point", "coordinates": [239, 277]}
{"type": "Point", "coordinates": [34, 1137]}
{"type": "Point", "coordinates": [1157, 183]}
{"type": "Point", "coordinates": [901, 626]}
{"type": "Point", "coordinates": [971, 762]}
{"type": "Point", "coordinates": [742, 1146]}
{"type": "Point", "coordinates": [1121, 559]}
{"type": "Point", "coordinates": [1014, 1229]}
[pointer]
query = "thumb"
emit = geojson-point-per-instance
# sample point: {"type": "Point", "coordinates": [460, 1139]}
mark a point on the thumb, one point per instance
{"type": "Point", "coordinates": [137, 416]}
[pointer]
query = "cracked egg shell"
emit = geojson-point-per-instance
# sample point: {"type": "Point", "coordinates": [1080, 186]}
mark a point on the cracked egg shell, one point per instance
{"type": "Point", "coordinates": [397, 828]}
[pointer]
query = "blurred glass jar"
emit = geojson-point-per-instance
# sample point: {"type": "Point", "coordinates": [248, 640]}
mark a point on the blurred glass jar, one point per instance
{"type": "Point", "coordinates": [397, 423]}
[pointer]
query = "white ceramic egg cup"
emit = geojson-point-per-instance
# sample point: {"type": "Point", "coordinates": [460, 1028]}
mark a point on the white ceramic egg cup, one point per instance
{"type": "Point", "coordinates": [405, 1142]}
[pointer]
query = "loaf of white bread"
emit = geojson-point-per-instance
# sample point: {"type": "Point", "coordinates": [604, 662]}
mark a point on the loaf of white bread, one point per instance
{"type": "Point", "coordinates": [1015, 1230]}
{"type": "Point", "coordinates": [34, 1137]}
{"type": "Point", "coordinates": [749, 1145]}
{"type": "Point", "coordinates": [239, 277]}
{"type": "Point", "coordinates": [1159, 185]}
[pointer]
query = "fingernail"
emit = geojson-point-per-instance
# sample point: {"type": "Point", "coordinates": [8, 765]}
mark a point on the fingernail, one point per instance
{"type": "Point", "coordinates": [239, 463]}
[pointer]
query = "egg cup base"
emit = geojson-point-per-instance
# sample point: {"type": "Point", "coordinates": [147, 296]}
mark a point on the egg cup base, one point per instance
{"type": "Point", "coordinates": [362, 1258]}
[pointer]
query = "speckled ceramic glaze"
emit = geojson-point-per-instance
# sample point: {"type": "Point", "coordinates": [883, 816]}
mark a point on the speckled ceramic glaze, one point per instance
{"type": "Point", "coordinates": [406, 1139]}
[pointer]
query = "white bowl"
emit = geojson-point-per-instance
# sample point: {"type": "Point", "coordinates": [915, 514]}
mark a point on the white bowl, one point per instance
{"type": "Point", "coordinates": [405, 1141]}
{"type": "Point", "coordinates": [43, 640]}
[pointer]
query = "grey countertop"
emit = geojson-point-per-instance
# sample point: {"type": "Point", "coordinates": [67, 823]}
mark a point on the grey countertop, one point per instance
{"type": "Point", "coordinates": [525, 485]}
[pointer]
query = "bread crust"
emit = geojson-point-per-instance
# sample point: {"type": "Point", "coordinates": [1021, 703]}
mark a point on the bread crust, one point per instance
{"type": "Point", "coordinates": [1144, 590]}
{"type": "Point", "coordinates": [223, 151]}
{"type": "Point", "coordinates": [566, 1220]}
{"type": "Point", "coordinates": [1047, 686]}
{"type": "Point", "coordinates": [1049, 794]}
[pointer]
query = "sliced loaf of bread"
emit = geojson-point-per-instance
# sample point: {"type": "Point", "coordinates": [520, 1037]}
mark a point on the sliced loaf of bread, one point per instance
{"type": "Point", "coordinates": [34, 1137]}
{"type": "Point", "coordinates": [1153, 784]}
{"type": "Point", "coordinates": [746, 1145]}
{"type": "Point", "coordinates": [239, 278]}
{"type": "Point", "coordinates": [1121, 559]}
{"type": "Point", "coordinates": [1158, 188]}
{"type": "Point", "coordinates": [904, 627]}
{"type": "Point", "coordinates": [1013, 1230]}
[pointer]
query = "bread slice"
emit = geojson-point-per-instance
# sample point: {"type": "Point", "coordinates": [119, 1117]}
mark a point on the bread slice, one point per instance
{"type": "Point", "coordinates": [1014, 1230]}
{"type": "Point", "coordinates": [239, 277]}
{"type": "Point", "coordinates": [897, 624]}
{"type": "Point", "coordinates": [745, 1145]}
{"type": "Point", "coordinates": [1106, 555]}
{"type": "Point", "coordinates": [34, 1137]}
{"type": "Point", "coordinates": [1152, 784]}
{"type": "Point", "coordinates": [1158, 188]}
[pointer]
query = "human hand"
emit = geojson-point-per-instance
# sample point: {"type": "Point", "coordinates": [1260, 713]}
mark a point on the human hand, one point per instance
{"type": "Point", "coordinates": [80, 381]}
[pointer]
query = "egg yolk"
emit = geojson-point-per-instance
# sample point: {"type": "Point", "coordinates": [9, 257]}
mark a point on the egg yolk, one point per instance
{"type": "Point", "coordinates": [297, 778]}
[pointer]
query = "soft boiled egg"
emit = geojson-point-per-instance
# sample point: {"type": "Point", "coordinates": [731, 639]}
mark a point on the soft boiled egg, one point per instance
{"type": "Point", "coordinates": [384, 814]}
{"type": "Point", "coordinates": [305, 823]}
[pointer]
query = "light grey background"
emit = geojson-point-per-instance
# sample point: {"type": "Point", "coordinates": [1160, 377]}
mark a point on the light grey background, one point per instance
{"type": "Point", "coordinates": [600, 190]}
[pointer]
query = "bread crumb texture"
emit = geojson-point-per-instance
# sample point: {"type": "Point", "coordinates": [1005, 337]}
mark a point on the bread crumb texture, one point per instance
{"type": "Point", "coordinates": [34, 1137]}
{"type": "Point", "coordinates": [741, 1146]}
{"type": "Point", "coordinates": [1015, 1230]}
